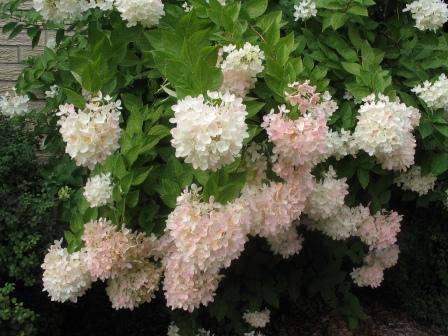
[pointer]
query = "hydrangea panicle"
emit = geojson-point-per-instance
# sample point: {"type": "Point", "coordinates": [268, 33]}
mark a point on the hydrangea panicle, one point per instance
{"type": "Point", "coordinates": [209, 133]}
{"type": "Point", "coordinates": [12, 104]}
{"type": "Point", "coordinates": [258, 319]}
{"type": "Point", "coordinates": [98, 190]}
{"type": "Point", "coordinates": [91, 134]}
{"type": "Point", "coordinates": [428, 14]}
{"type": "Point", "coordinates": [65, 276]}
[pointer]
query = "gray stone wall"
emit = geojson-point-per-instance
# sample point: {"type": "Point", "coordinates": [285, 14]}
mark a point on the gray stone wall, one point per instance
{"type": "Point", "coordinates": [14, 51]}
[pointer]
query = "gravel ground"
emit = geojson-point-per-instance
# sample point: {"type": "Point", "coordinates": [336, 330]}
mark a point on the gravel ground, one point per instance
{"type": "Point", "coordinates": [381, 321]}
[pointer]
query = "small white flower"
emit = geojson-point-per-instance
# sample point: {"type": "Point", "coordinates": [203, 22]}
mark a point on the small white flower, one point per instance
{"type": "Point", "coordinates": [187, 8]}
{"type": "Point", "coordinates": [304, 10]}
{"type": "Point", "coordinates": [98, 190]}
{"type": "Point", "coordinates": [53, 92]}
{"type": "Point", "coordinates": [12, 104]}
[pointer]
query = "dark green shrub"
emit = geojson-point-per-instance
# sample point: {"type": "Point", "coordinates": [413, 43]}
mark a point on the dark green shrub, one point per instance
{"type": "Point", "coordinates": [421, 277]}
{"type": "Point", "coordinates": [15, 319]}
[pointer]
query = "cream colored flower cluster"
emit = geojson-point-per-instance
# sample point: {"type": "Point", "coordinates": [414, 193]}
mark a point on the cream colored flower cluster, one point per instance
{"type": "Point", "coordinates": [206, 237]}
{"type": "Point", "coordinates": [327, 197]}
{"type": "Point", "coordinates": [110, 252]}
{"type": "Point", "coordinates": [145, 12]}
{"type": "Point", "coordinates": [304, 10]}
{"type": "Point", "coordinates": [414, 180]}
{"type": "Point", "coordinates": [91, 134]}
{"type": "Point", "coordinates": [98, 190]}
{"type": "Point", "coordinates": [209, 133]}
{"type": "Point", "coordinates": [12, 104]}
{"type": "Point", "coordinates": [372, 272]}
{"type": "Point", "coordinates": [435, 94]}
{"type": "Point", "coordinates": [134, 287]}
{"type": "Point", "coordinates": [65, 276]}
{"type": "Point", "coordinates": [258, 319]}
{"type": "Point", "coordinates": [428, 14]}
{"type": "Point", "coordinates": [384, 130]}
{"type": "Point", "coordinates": [120, 256]}
{"type": "Point", "coordinates": [240, 68]}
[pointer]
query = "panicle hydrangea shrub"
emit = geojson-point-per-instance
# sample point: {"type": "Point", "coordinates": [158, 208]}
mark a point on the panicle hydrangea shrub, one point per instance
{"type": "Point", "coordinates": [242, 125]}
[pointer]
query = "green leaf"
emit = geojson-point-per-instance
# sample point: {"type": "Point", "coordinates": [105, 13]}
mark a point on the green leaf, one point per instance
{"type": "Point", "coordinates": [126, 183]}
{"type": "Point", "coordinates": [353, 68]}
{"type": "Point", "coordinates": [255, 8]}
{"type": "Point", "coordinates": [363, 177]}
{"type": "Point", "coordinates": [74, 98]}
{"type": "Point", "coordinates": [442, 129]}
{"type": "Point", "coordinates": [132, 198]}
{"type": "Point", "coordinates": [439, 164]}
{"type": "Point", "coordinates": [358, 10]}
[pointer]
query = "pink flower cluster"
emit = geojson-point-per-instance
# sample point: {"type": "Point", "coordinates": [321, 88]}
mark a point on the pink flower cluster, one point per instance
{"type": "Point", "coordinates": [296, 142]}
{"type": "Point", "coordinates": [111, 251]}
{"type": "Point", "coordinates": [121, 256]}
{"type": "Point", "coordinates": [379, 232]}
{"type": "Point", "coordinates": [205, 238]}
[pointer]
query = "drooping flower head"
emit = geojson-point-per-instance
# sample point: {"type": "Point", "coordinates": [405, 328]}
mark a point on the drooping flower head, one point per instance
{"type": "Point", "coordinates": [110, 252]}
{"type": "Point", "coordinates": [134, 286]}
{"type": "Point", "coordinates": [65, 276]}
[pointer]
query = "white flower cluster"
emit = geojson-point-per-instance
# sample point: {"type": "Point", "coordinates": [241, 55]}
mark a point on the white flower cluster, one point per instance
{"type": "Point", "coordinates": [91, 134]}
{"type": "Point", "coordinates": [414, 180]}
{"type": "Point", "coordinates": [12, 104]}
{"type": "Point", "coordinates": [65, 276]}
{"type": "Point", "coordinates": [435, 95]}
{"type": "Point", "coordinates": [327, 197]}
{"type": "Point", "coordinates": [344, 223]}
{"type": "Point", "coordinates": [257, 319]}
{"type": "Point", "coordinates": [428, 14]}
{"type": "Point", "coordinates": [145, 12]}
{"type": "Point", "coordinates": [339, 144]}
{"type": "Point", "coordinates": [98, 190]}
{"type": "Point", "coordinates": [61, 11]}
{"type": "Point", "coordinates": [304, 10]}
{"type": "Point", "coordinates": [209, 133]}
{"type": "Point", "coordinates": [240, 68]}
{"type": "Point", "coordinates": [384, 130]}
